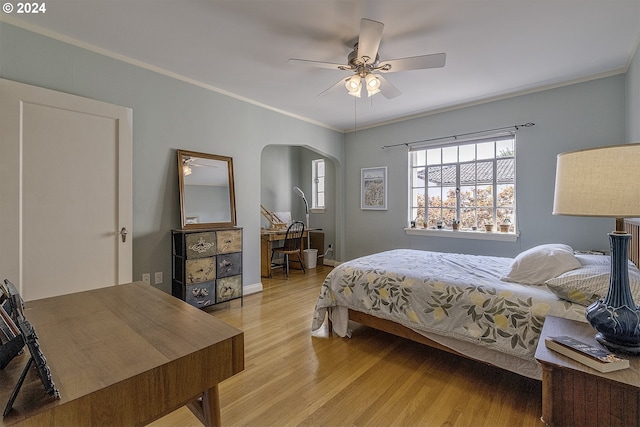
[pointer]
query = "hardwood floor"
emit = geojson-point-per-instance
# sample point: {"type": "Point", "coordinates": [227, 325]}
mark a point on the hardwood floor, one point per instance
{"type": "Point", "coordinates": [295, 378]}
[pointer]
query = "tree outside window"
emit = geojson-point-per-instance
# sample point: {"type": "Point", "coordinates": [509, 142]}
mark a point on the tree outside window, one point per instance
{"type": "Point", "coordinates": [471, 182]}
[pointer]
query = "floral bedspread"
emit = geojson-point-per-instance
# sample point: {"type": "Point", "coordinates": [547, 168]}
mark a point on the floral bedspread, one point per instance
{"type": "Point", "coordinates": [453, 295]}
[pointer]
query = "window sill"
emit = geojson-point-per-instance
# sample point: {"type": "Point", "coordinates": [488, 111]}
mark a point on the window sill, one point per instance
{"type": "Point", "coordinates": [463, 234]}
{"type": "Point", "coordinates": [317, 210]}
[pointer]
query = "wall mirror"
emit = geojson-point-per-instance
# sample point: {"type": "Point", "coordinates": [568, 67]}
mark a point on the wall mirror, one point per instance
{"type": "Point", "coordinates": [207, 195]}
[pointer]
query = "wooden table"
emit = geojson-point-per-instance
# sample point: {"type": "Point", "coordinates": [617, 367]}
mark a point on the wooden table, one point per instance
{"type": "Point", "coordinates": [123, 355]}
{"type": "Point", "coordinates": [573, 394]}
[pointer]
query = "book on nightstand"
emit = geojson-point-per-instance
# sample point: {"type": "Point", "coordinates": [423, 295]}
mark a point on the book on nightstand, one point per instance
{"type": "Point", "coordinates": [596, 358]}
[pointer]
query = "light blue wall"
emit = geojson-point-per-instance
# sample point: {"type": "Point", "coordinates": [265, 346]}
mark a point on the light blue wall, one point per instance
{"type": "Point", "coordinates": [170, 114]}
{"type": "Point", "coordinates": [285, 167]}
{"type": "Point", "coordinates": [167, 114]}
{"type": "Point", "coordinates": [326, 220]}
{"type": "Point", "coordinates": [572, 117]}
{"type": "Point", "coordinates": [633, 99]}
{"type": "Point", "coordinates": [279, 170]}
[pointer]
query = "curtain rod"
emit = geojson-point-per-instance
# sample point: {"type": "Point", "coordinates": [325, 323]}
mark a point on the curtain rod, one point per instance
{"type": "Point", "coordinates": [515, 127]}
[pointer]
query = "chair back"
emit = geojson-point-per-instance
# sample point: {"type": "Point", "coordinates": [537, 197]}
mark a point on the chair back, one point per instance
{"type": "Point", "coordinates": [293, 238]}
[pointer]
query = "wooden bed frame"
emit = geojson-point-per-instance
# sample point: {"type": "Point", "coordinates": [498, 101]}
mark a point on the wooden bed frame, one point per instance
{"type": "Point", "coordinates": [394, 329]}
{"type": "Point", "coordinates": [631, 226]}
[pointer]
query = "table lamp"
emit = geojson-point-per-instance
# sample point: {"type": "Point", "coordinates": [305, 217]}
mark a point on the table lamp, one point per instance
{"type": "Point", "coordinates": [605, 182]}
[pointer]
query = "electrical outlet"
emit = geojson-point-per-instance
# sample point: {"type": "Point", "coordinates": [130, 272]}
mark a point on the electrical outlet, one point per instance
{"type": "Point", "coordinates": [158, 278]}
{"type": "Point", "coordinates": [329, 251]}
{"type": "Point", "coordinates": [146, 278]}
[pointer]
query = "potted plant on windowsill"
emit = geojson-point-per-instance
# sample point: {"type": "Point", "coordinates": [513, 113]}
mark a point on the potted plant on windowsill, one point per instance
{"type": "Point", "coordinates": [505, 226]}
{"type": "Point", "coordinates": [455, 224]}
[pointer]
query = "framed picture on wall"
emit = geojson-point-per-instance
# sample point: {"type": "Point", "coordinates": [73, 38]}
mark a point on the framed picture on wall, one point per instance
{"type": "Point", "coordinates": [373, 188]}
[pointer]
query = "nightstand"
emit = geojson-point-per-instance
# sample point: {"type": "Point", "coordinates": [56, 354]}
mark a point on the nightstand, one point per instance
{"type": "Point", "coordinates": [574, 394]}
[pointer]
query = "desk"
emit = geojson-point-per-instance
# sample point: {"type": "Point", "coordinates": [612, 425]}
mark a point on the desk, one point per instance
{"type": "Point", "coordinates": [123, 355]}
{"type": "Point", "coordinates": [269, 237]}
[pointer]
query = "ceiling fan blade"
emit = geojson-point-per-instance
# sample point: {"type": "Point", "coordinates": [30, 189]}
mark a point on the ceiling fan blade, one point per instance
{"type": "Point", "coordinates": [369, 40]}
{"type": "Point", "coordinates": [319, 64]}
{"type": "Point", "coordinates": [436, 60]}
{"type": "Point", "coordinates": [340, 82]}
{"type": "Point", "coordinates": [387, 89]}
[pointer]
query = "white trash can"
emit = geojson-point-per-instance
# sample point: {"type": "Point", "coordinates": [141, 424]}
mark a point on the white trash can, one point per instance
{"type": "Point", "coordinates": [310, 258]}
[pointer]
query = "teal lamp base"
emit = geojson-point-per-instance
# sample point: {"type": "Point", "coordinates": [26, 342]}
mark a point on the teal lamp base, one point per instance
{"type": "Point", "coordinates": [618, 348]}
{"type": "Point", "coordinates": [616, 317]}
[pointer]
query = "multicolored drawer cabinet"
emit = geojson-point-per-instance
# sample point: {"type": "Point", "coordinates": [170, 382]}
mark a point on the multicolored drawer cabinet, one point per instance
{"type": "Point", "coordinates": [207, 265]}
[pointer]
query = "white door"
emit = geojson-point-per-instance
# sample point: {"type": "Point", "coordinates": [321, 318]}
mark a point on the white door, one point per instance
{"type": "Point", "coordinates": [65, 191]}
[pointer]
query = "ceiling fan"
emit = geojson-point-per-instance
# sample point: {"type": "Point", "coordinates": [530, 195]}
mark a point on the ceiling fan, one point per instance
{"type": "Point", "coordinates": [190, 162]}
{"type": "Point", "coordinates": [366, 65]}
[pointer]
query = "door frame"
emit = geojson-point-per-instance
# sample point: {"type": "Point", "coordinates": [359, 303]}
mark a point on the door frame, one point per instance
{"type": "Point", "coordinates": [13, 97]}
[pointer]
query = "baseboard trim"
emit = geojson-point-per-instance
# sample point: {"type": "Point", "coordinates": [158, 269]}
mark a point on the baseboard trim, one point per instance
{"type": "Point", "coordinates": [252, 289]}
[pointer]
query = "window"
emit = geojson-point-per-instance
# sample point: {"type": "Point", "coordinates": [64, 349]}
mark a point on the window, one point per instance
{"type": "Point", "coordinates": [472, 182]}
{"type": "Point", "coordinates": [317, 185]}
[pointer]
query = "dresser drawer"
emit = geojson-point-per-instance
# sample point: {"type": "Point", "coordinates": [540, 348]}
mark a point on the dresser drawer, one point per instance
{"type": "Point", "coordinates": [207, 265]}
{"type": "Point", "coordinates": [228, 288]}
{"type": "Point", "coordinates": [201, 245]}
{"type": "Point", "coordinates": [229, 264]}
{"type": "Point", "coordinates": [200, 270]}
{"type": "Point", "coordinates": [201, 295]}
{"type": "Point", "coordinates": [229, 241]}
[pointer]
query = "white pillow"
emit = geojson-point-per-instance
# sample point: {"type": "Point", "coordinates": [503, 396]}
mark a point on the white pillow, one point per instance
{"type": "Point", "coordinates": [591, 259]}
{"type": "Point", "coordinates": [541, 263]}
{"type": "Point", "coordinates": [590, 283]}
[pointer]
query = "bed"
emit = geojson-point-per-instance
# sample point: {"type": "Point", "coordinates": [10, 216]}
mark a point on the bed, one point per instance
{"type": "Point", "coordinates": [486, 308]}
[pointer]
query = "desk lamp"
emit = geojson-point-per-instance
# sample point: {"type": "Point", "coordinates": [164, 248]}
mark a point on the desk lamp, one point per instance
{"type": "Point", "coordinates": [299, 192]}
{"type": "Point", "coordinates": [605, 182]}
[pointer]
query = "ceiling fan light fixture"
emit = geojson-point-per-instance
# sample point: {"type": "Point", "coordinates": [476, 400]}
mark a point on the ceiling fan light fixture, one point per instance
{"type": "Point", "coordinates": [373, 84]}
{"type": "Point", "coordinates": [370, 92]}
{"type": "Point", "coordinates": [365, 59]}
{"type": "Point", "coordinates": [354, 85]}
{"type": "Point", "coordinates": [186, 170]}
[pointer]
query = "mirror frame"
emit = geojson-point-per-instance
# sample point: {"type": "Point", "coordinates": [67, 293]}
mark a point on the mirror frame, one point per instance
{"type": "Point", "coordinates": [232, 195]}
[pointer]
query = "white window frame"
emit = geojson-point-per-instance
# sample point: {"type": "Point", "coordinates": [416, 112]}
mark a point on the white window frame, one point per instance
{"type": "Point", "coordinates": [447, 231]}
{"type": "Point", "coordinates": [318, 191]}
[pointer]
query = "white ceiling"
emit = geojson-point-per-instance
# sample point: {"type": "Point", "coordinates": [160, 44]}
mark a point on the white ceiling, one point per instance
{"type": "Point", "coordinates": [494, 48]}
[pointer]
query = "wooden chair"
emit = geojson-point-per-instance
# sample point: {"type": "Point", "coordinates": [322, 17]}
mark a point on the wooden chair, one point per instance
{"type": "Point", "coordinates": [292, 246]}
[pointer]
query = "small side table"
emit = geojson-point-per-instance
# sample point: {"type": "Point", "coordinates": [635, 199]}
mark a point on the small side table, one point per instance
{"type": "Point", "coordinates": [573, 394]}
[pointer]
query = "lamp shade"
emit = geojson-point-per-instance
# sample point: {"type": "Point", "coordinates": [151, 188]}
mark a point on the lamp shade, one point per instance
{"type": "Point", "coordinates": [602, 181]}
{"type": "Point", "coordinates": [373, 84]}
{"type": "Point", "coordinates": [354, 85]}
